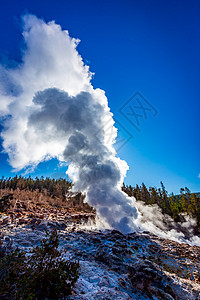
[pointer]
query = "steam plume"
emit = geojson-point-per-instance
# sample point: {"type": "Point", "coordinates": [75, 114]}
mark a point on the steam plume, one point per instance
{"type": "Point", "coordinates": [55, 112]}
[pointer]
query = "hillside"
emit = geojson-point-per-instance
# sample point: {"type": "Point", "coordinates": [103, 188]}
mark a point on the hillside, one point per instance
{"type": "Point", "coordinates": [112, 265]}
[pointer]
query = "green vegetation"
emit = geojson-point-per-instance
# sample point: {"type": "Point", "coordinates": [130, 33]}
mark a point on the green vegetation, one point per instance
{"type": "Point", "coordinates": [43, 274]}
{"type": "Point", "coordinates": [41, 191]}
{"type": "Point", "coordinates": [55, 188]}
{"type": "Point", "coordinates": [173, 205]}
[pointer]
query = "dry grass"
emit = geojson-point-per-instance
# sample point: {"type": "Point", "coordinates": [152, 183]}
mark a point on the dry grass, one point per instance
{"type": "Point", "coordinates": [26, 199]}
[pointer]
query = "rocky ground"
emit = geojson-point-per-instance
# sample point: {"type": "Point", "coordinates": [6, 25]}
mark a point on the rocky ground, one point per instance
{"type": "Point", "coordinates": [112, 265]}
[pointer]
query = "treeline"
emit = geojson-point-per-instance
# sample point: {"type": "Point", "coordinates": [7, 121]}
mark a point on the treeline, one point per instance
{"type": "Point", "coordinates": [56, 188]}
{"type": "Point", "coordinates": [173, 205]}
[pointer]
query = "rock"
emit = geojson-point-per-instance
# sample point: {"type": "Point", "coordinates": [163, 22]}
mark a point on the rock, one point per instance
{"type": "Point", "coordinates": [33, 221]}
{"type": "Point", "coordinates": [5, 221]}
{"type": "Point", "coordinates": [22, 221]}
{"type": "Point", "coordinates": [57, 225]}
{"type": "Point", "coordinates": [105, 294]}
{"type": "Point", "coordinates": [113, 265]}
{"type": "Point", "coordinates": [161, 295]}
{"type": "Point", "coordinates": [149, 273]}
{"type": "Point", "coordinates": [116, 232]}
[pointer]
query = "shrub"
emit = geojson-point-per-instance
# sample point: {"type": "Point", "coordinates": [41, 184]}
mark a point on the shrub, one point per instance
{"type": "Point", "coordinates": [43, 274]}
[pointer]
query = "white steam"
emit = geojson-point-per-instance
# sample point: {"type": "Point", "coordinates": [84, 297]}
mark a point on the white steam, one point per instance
{"type": "Point", "coordinates": [150, 218]}
{"type": "Point", "coordinates": [54, 111]}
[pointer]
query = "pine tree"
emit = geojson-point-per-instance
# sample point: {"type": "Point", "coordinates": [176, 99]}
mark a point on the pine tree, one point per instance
{"type": "Point", "coordinates": [145, 195]}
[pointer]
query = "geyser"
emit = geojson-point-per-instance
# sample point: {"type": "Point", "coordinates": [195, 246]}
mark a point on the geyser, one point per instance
{"type": "Point", "coordinates": [54, 111]}
{"type": "Point", "coordinates": [51, 110]}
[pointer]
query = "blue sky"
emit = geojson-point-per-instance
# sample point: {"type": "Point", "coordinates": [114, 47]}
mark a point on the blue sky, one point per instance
{"type": "Point", "coordinates": [150, 47]}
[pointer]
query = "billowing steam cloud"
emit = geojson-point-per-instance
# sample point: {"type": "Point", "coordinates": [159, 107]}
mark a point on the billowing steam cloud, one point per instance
{"type": "Point", "coordinates": [51, 110]}
{"type": "Point", "coordinates": [55, 112]}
